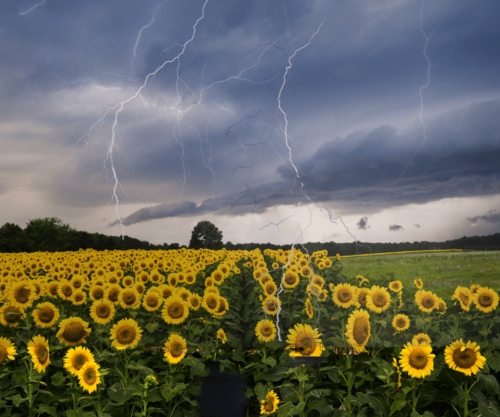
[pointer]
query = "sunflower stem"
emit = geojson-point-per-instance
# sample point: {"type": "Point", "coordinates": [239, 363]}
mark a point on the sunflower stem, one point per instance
{"type": "Point", "coordinates": [350, 381]}
{"type": "Point", "coordinates": [466, 398]}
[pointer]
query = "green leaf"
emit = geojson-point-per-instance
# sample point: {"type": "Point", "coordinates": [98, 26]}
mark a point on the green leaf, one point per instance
{"type": "Point", "coordinates": [58, 379]}
{"type": "Point", "coordinates": [275, 374]}
{"type": "Point", "coordinates": [320, 405]}
{"type": "Point", "coordinates": [17, 399]}
{"type": "Point", "coordinates": [45, 409]}
{"type": "Point", "coordinates": [398, 404]}
{"type": "Point", "coordinates": [151, 327]}
{"type": "Point", "coordinates": [488, 410]}
{"type": "Point", "coordinates": [269, 361]}
{"type": "Point", "coordinates": [491, 384]}
{"type": "Point", "coordinates": [494, 362]}
{"type": "Point", "coordinates": [406, 390]}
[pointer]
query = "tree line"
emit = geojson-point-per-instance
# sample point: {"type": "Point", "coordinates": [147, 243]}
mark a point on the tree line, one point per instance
{"type": "Point", "coordinates": [52, 235]}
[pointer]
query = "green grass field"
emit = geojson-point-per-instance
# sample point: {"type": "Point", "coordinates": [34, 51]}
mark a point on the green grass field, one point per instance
{"type": "Point", "coordinates": [441, 273]}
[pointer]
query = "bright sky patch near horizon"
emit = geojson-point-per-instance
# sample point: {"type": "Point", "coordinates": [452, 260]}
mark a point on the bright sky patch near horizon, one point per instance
{"type": "Point", "coordinates": [279, 121]}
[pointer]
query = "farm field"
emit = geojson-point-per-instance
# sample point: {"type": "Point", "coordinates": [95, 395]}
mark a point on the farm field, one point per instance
{"type": "Point", "coordinates": [440, 272]}
{"type": "Point", "coordinates": [134, 333]}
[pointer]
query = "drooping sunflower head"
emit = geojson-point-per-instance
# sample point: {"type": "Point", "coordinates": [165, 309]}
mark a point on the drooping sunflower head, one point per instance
{"type": "Point", "coordinates": [344, 295]}
{"type": "Point", "coordinates": [38, 348]}
{"type": "Point", "coordinates": [7, 350]}
{"type": "Point", "coordinates": [426, 301]}
{"type": "Point", "coordinates": [401, 322]}
{"type": "Point", "coordinates": [417, 359]}
{"type": "Point", "coordinates": [396, 286]}
{"type": "Point", "coordinates": [126, 333]}
{"type": "Point", "coordinates": [73, 331]}
{"type": "Point", "coordinates": [441, 305]}
{"type": "Point", "coordinates": [378, 299]}
{"type": "Point", "coordinates": [102, 311]}
{"type": "Point", "coordinates": [309, 308]}
{"type": "Point", "coordinates": [45, 314]}
{"type": "Point", "coordinates": [474, 288]}
{"type": "Point", "coordinates": [463, 296]}
{"type": "Point", "coordinates": [485, 299]}
{"type": "Point", "coordinates": [361, 297]}
{"type": "Point", "coordinates": [271, 305]}
{"type": "Point", "coordinates": [358, 329]}
{"type": "Point", "coordinates": [221, 335]}
{"type": "Point", "coordinates": [464, 358]}
{"type": "Point", "coordinates": [175, 310]}
{"type": "Point", "coordinates": [89, 376]}
{"type": "Point", "coordinates": [265, 331]}
{"type": "Point", "coordinates": [77, 357]}
{"type": "Point", "coordinates": [304, 341]}
{"type": "Point", "coordinates": [175, 349]}
{"type": "Point", "coordinates": [418, 283]}
{"type": "Point", "coordinates": [270, 403]}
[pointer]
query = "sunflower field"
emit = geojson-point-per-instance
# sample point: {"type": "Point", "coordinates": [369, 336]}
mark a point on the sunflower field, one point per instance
{"type": "Point", "coordinates": [134, 333]}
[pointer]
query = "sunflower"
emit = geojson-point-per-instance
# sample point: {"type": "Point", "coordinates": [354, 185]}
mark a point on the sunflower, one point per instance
{"type": "Point", "coordinates": [52, 289]}
{"type": "Point", "coordinates": [426, 301]}
{"type": "Point", "coordinates": [129, 298]}
{"type": "Point", "coordinates": [211, 302]}
{"type": "Point", "coordinates": [77, 282]}
{"type": "Point", "coordinates": [361, 297]}
{"type": "Point", "coordinates": [128, 281]}
{"type": "Point", "coordinates": [309, 308]}
{"type": "Point", "coordinates": [344, 295]}
{"type": "Point", "coordinates": [485, 299]}
{"type": "Point", "coordinates": [441, 305]}
{"type": "Point", "coordinates": [358, 329]}
{"type": "Point", "coordinates": [464, 357]}
{"type": "Point", "coordinates": [89, 376]}
{"type": "Point", "coordinates": [11, 315]}
{"type": "Point", "coordinates": [173, 280]}
{"type": "Point", "coordinates": [166, 290]}
{"type": "Point", "coordinates": [221, 335]}
{"type": "Point", "coordinates": [270, 305]}
{"type": "Point", "coordinates": [270, 403]}
{"type": "Point", "coordinates": [417, 359]}
{"type": "Point", "coordinates": [126, 333]}
{"type": "Point", "coordinates": [306, 271]}
{"type": "Point", "coordinates": [152, 301]}
{"type": "Point", "coordinates": [79, 298]}
{"type": "Point", "coordinates": [102, 311]}
{"type": "Point", "coordinates": [175, 310]}
{"type": "Point", "coordinates": [45, 314]}
{"type": "Point", "coordinates": [395, 286]}
{"type": "Point", "coordinates": [378, 299]}
{"type": "Point", "coordinates": [474, 288]}
{"type": "Point", "coordinates": [418, 283]}
{"type": "Point", "coordinates": [320, 282]}
{"type": "Point", "coordinates": [270, 288]}
{"type": "Point", "coordinates": [265, 331]}
{"type": "Point", "coordinates": [264, 279]}
{"type": "Point", "coordinates": [338, 257]}
{"type": "Point", "coordinates": [422, 338]}
{"type": "Point", "coordinates": [463, 295]}
{"type": "Point", "coordinates": [175, 348]}
{"type": "Point", "coordinates": [77, 357]}
{"type": "Point", "coordinates": [73, 331]}
{"type": "Point", "coordinates": [139, 287]}
{"type": "Point", "coordinates": [184, 293]}
{"type": "Point", "coordinates": [290, 279]}
{"type": "Point", "coordinates": [65, 290]}
{"type": "Point", "coordinates": [112, 294]}
{"type": "Point", "coordinates": [38, 348]}
{"type": "Point", "coordinates": [223, 307]}
{"type": "Point", "coordinates": [194, 301]}
{"type": "Point", "coordinates": [304, 341]}
{"type": "Point", "coordinates": [401, 322]}
{"type": "Point", "coordinates": [96, 292]}
{"type": "Point", "coordinates": [7, 350]}
{"type": "Point", "coordinates": [314, 290]}
{"type": "Point", "coordinates": [22, 294]}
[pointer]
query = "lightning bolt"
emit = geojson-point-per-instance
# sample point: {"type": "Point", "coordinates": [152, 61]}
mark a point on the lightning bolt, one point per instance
{"type": "Point", "coordinates": [32, 8]}
{"type": "Point", "coordinates": [140, 33]}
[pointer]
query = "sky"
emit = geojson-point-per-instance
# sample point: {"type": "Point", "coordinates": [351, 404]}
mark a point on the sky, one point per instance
{"type": "Point", "coordinates": [279, 121]}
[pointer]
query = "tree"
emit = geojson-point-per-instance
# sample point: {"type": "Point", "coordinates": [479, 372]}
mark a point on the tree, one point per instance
{"type": "Point", "coordinates": [206, 235]}
{"type": "Point", "coordinates": [47, 235]}
{"type": "Point", "coordinates": [10, 238]}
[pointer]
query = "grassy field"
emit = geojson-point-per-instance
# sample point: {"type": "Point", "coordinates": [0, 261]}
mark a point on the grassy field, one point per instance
{"type": "Point", "coordinates": [440, 272]}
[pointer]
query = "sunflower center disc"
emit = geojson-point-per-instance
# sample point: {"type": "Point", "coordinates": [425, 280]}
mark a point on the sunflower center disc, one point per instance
{"type": "Point", "coordinates": [113, 295]}
{"type": "Point", "coordinates": [46, 315]}
{"type": "Point", "coordinates": [129, 299]}
{"type": "Point", "coordinates": [464, 359]}
{"type": "Point", "coordinates": [176, 350]}
{"type": "Point", "coordinates": [267, 331]}
{"type": "Point", "coordinates": [418, 359]}
{"type": "Point", "coordinates": [78, 297]}
{"type": "Point", "coordinates": [77, 284]}
{"type": "Point", "coordinates": [98, 293]}
{"type": "Point", "coordinates": [67, 290]}
{"type": "Point", "coordinates": [361, 330]}
{"type": "Point", "coordinates": [79, 361]}
{"type": "Point", "coordinates": [305, 344]}
{"type": "Point", "coordinates": [401, 323]}
{"type": "Point", "coordinates": [175, 311]}
{"type": "Point", "coordinates": [12, 318]}
{"type": "Point", "coordinates": [23, 295]}
{"type": "Point", "coordinates": [90, 377]}
{"type": "Point", "coordinates": [379, 300]}
{"type": "Point", "coordinates": [212, 303]}
{"type": "Point", "coordinates": [269, 406]}
{"type": "Point", "coordinates": [3, 354]}
{"type": "Point", "coordinates": [125, 335]}
{"type": "Point", "coordinates": [103, 311]}
{"type": "Point", "coordinates": [290, 279]}
{"type": "Point", "coordinates": [464, 299]}
{"type": "Point", "coordinates": [74, 332]}
{"type": "Point", "coordinates": [152, 301]}
{"type": "Point", "coordinates": [344, 296]}
{"type": "Point", "coordinates": [428, 302]}
{"type": "Point", "coordinates": [42, 354]}
{"type": "Point", "coordinates": [485, 301]}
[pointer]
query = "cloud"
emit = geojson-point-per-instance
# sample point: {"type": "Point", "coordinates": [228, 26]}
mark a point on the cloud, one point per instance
{"type": "Point", "coordinates": [492, 216]}
{"type": "Point", "coordinates": [395, 228]}
{"type": "Point", "coordinates": [362, 223]}
{"type": "Point", "coordinates": [417, 226]}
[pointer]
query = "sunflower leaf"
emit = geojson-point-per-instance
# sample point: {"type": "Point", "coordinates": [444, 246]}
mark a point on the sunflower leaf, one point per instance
{"type": "Point", "coordinates": [490, 383]}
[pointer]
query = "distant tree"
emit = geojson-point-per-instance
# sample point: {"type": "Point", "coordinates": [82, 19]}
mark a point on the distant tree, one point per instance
{"type": "Point", "coordinates": [46, 235]}
{"type": "Point", "coordinates": [10, 238]}
{"type": "Point", "coordinates": [206, 235]}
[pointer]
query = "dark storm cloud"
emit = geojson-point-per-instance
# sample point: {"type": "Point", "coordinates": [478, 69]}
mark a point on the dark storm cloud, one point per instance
{"type": "Point", "coordinates": [395, 228]}
{"type": "Point", "coordinates": [492, 216]}
{"type": "Point", "coordinates": [417, 226]}
{"type": "Point", "coordinates": [362, 224]}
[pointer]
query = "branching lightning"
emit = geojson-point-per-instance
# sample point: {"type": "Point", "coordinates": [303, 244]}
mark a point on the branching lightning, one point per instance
{"type": "Point", "coordinates": [32, 8]}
